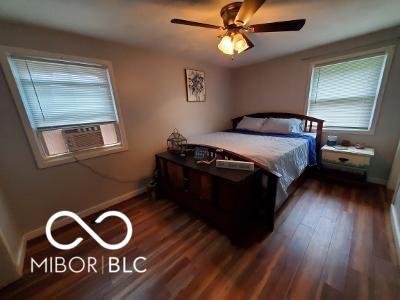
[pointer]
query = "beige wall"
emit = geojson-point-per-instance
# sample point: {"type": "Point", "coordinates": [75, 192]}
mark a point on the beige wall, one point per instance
{"type": "Point", "coordinates": [395, 207]}
{"type": "Point", "coordinates": [394, 176]}
{"type": "Point", "coordinates": [394, 184]}
{"type": "Point", "coordinates": [10, 243]}
{"type": "Point", "coordinates": [8, 272]}
{"type": "Point", "coordinates": [151, 88]}
{"type": "Point", "coordinates": [9, 229]}
{"type": "Point", "coordinates": [281, 85]}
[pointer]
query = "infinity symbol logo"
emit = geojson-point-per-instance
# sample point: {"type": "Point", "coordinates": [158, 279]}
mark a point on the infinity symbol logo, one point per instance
{"type": "Point", "coordinates": [93, 234]}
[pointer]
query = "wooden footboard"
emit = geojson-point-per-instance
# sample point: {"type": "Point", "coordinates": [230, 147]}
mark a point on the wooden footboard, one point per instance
{"type": "Point", "coordinates": [267, 196]}
{"type": "Point", "coordinates": [231, 200]}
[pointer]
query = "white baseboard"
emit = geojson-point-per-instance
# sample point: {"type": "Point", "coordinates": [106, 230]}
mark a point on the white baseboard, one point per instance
{"type": "Point", "coordinates": [84, 213]}
{"type": "Point", "coordinates": [21, 256]}
{"type": "Point", "coordinates": [65, 221]}
{"type": "Point", "coordinates": [377, 180]}
{"type": "Point", "coordinates": [16, 260]}
{"type": "Point", "coordinates": [396, 229]}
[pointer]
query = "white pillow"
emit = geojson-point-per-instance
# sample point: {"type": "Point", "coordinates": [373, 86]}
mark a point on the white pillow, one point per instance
{"type": "Point", "coordinates": [252, 124]}
{"type": "Point", "coordinates": [284, 126]}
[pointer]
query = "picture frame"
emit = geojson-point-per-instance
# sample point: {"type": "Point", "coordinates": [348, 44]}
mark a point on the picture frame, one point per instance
{"type": "Point", "coordinates": [201, 153]}
{"type": "Point", "coordinates": [195, 85]}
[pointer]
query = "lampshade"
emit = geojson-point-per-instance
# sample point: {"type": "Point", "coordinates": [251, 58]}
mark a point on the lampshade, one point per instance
{"type": "Point", "coordinates": [239, 43]}
{"type": "Point", "coordinates": [226, 45]}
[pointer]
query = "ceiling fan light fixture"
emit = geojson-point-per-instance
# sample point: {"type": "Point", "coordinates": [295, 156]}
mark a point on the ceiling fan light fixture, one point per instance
{"type": "Point", "coordinates": [239, 43]}
{"type": "Point", "coordinates": [236, 18]}
{"type": "Point", "coordinates": [226, 45]}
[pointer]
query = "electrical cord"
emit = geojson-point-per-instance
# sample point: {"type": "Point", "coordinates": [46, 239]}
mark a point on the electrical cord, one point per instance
{"type": "Point", "coordinates": [98, 173]}
{"type": "Point", "coordinates": [207, 162]}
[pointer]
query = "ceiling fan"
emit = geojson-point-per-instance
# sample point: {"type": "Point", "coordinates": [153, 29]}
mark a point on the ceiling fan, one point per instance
{"type": "Point", "coordinates": [236, 17]}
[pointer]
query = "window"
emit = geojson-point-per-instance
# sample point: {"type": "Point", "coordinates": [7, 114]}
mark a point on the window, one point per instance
{"type": "Point", "coordinates": [68, 105]}
{"type": "Point", "coordinates": [345, 93]}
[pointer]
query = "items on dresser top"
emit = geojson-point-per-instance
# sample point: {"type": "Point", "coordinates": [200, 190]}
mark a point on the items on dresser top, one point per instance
{"type": "Point", "coordinates": [332, 140]}
{"type": "Point", "coordinates": [201, 153]}
{"type": "Point", "coordinates": [176, 143]}
{"type": "Point", "coordinates": [345, 143]}
{"type": "Point", "coordinates": [235, 164]}
{"type": "Point", "coordinates": [360, 145]}
{"type": "Point", "coordinates": [339, 147]}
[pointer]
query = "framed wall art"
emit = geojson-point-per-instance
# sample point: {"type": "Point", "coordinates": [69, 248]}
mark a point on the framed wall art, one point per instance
{"type": "Point", "coordinates": [195, 85]}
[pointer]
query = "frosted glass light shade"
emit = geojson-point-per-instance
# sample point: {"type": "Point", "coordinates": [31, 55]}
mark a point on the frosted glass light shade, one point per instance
{"type": "Point", "coordinates": [226, 45]}
{"type": "Point", "coordinates": [239, 43]}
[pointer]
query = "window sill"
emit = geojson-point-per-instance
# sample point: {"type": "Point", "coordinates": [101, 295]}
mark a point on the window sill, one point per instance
{"type": "Point", "coordinates": [82, 155]}
{"type": "Point", "coordinates": [349, 131]}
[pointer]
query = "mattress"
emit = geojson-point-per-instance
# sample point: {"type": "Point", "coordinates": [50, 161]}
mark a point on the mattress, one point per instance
{"type": "Point", "coordinates": [286, 157]}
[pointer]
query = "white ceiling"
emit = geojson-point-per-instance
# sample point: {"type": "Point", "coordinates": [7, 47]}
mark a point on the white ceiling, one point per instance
{"type": "Point", "coordinates": [146, 23]}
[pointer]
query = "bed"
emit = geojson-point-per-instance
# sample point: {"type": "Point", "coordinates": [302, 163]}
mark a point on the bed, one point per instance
{"type": "Point", "coordinates": [283, 157]}
{"type": "Point", "coordinates": [233, 205]}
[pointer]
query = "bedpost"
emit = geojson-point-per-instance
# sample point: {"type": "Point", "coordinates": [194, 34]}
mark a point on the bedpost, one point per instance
{"type": "Point", "coordinates": [235, 121]}
{"type": "Point", "coordinates": [318, 140]}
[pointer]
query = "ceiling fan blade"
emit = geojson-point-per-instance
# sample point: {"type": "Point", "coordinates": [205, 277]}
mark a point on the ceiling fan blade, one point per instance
{"type": "Point", "coordinates": [293, 25]}
{"type": "Point", "coordinates": [247, 10]}
{"type": "Point", "coordinates": [197, 24]}
{"type": "Point", "coordinates": [250, 43]}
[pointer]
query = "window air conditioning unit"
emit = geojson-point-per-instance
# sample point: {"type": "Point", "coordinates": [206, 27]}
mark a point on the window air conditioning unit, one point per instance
{"type": "Point", "coordinates": [83, 138]}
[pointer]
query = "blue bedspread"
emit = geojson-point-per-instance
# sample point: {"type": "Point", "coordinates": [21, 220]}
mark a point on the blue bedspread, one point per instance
{"type": "Point", "coordinates": [312, 154]}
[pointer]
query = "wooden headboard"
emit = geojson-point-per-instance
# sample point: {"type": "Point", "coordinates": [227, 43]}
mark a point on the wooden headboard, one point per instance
{"type": "Point", "coordinates": [309, 124]}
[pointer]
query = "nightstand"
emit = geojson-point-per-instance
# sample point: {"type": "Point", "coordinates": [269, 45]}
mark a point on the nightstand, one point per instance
{"type": "Point", "coordinates": [349, 164]}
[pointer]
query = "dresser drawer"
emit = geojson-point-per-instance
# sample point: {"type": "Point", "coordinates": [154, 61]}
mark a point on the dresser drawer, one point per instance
{"type": "Point", "coordinates": [346, 159]}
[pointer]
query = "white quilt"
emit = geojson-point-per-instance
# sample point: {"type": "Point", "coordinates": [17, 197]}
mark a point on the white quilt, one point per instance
{"type": "Point", "coordinates": [286, 157]}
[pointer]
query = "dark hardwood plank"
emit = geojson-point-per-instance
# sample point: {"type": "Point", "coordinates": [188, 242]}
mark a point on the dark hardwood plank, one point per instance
{"type": "Point", "coordinates": [330, 242]}
{"type": "Point", "coordinates": [277, 286]}
{"type": "Point", "coordinates": [305, 283]}
{"type": "Point", "coordinates": [335, 268]}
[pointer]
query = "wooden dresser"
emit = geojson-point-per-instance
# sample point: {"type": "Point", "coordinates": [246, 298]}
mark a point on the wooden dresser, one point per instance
{"type": "Point", "coordinates": [227, 199]}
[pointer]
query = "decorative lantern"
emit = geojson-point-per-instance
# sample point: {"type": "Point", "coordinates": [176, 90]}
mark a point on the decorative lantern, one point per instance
{"type": "Point", "coordinates": [176, 143]}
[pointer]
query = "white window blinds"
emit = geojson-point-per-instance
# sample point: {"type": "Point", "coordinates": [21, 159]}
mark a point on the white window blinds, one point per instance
{"type": "Point", "coordinates": [344, 93]}
{"type": "Point", "coordinates": [60, 93]}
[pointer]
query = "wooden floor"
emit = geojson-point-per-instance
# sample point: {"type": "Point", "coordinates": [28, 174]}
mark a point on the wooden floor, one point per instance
{"type": "Point", "coordinates": [330, 242]}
